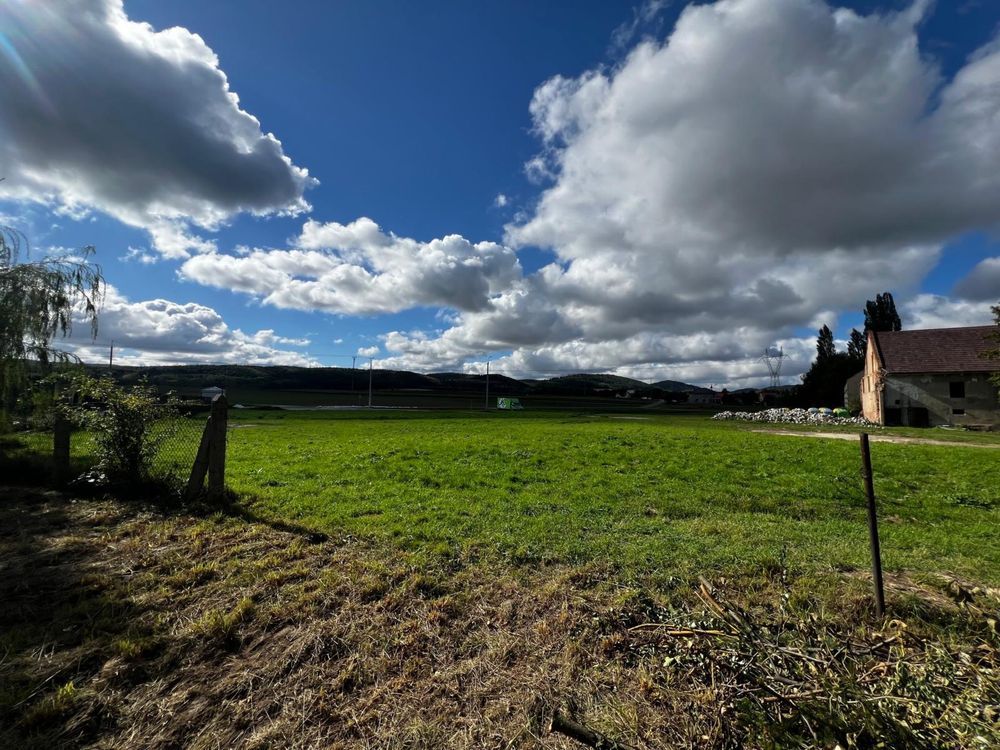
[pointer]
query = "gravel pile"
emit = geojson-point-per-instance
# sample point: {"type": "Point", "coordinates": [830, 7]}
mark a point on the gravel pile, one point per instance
{"type": "Point", "coordinates": [792, 416]}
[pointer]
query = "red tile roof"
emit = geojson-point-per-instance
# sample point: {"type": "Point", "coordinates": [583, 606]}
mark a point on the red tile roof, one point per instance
{"type": "Point", "coordinates": [936, 350]}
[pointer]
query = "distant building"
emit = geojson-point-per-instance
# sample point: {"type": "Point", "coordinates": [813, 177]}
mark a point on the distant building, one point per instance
{"type": "Point", "coordinates": [852, 392]}
{"type": "Point", "coordinates": [707, 397]}
{"type": "Point", "coordinates": [209, 394]}
{"type": "Point", "coordinates": [930, 377]}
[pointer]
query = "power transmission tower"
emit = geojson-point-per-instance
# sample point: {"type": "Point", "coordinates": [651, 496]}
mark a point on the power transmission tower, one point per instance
{"type": "Point", "coordinates": [773, 357]}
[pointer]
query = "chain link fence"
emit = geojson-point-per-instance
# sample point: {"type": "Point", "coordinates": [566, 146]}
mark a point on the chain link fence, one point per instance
{"type": "Point", "coordinates": [175, 442]}
{"type": "Point", "coordinates": [168, 450]}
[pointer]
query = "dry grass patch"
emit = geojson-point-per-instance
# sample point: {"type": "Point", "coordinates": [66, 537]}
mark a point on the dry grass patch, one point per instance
{"type": "Point", "coordinates": [129, 628]}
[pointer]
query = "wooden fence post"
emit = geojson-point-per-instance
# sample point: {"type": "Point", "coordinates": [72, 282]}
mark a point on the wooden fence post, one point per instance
{"type": "Point", "coordinates": [60, 449]}
{"type": "Point", "coordinates": [200, 468]}
{"type": "Point", "coordinates": [217, 448]}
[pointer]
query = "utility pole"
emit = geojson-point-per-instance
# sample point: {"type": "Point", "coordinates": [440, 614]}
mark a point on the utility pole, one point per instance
{"type": "Point", "coordinates": [370, 382]}
{"type": "Point", "coordinates": [354, 367]}
{"type": "Point", "coordinates": [111, 358]}
{"type": "Point", "coordinates": [487, 384]}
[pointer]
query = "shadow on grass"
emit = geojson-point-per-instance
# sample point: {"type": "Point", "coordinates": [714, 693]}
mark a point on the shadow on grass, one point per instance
{"type": "Point", "coordinates": [22, 466]}
{"type": "Point", "coordinates": [60, 621]}
{"type": "Point", "coordinates": [236, 506]}
{"type": "Point", "coordinates": [66, 614]}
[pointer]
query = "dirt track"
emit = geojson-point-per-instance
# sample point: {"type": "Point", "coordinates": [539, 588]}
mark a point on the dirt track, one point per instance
{"type": "Point", "coordinates": [878, 438]}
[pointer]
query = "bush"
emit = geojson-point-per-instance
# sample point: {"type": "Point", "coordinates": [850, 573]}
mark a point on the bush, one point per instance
{"type": "Point", "coordinates": [129, 425]}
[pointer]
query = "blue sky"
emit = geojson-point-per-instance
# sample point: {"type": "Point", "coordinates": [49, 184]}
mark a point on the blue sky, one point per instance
{"type": "Point", "coordinates": [655, 188]}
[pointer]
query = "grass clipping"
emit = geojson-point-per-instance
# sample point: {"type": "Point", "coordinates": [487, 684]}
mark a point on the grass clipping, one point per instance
{"type": "Point", "coordinates": [130, 628]}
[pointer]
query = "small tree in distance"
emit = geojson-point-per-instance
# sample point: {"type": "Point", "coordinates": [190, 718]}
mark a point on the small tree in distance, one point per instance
{"type": "Point", "coordinates": [856, 347]}
{"type": "Point", "coordinates": [825, 348]}
{"type": "Point", "coordinates": [823, 384]}
{"type": "Point", "coordinates": [881, 315]}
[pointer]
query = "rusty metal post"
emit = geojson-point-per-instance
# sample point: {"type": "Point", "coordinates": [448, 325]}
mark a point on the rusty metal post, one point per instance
{"type": "Point", "coordinates": [866, 474]}
{"type": "Point", "coordinates": [217, 448]}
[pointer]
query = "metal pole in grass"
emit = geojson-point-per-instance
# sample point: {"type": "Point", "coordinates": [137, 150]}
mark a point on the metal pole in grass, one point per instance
{"type": "Point", "coordinates": [866, 473]}
{"type": "Point", "coordinates": [370, 383]}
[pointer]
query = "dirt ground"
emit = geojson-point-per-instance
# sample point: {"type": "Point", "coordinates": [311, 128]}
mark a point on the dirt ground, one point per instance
{"type": "Point", "coordinates": [878, 438]}
{"type": "Point", "coordinates": [125, 626]}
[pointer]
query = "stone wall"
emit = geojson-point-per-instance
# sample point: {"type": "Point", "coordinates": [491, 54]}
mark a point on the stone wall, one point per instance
{"type": "Point", "coordinates": [933, 392]}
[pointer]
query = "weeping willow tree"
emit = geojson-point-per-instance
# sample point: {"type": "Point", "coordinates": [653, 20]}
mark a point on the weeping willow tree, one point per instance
{"type": "Point", "coordinates": [39, 300]}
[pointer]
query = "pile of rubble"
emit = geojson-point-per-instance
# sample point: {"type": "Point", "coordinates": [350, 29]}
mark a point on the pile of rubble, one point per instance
{"type": "Point", "coordinates": [795, 416]}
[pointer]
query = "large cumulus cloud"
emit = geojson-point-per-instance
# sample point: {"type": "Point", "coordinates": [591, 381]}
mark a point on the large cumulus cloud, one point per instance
{"type": "Point", "coordinates": [357, 269]}
{"type": "Point", "coordinates": [102, 112]}
{"type": "Point", "coordinates": [771, 164]}
{"type": "Point", "coordinates": [160, 331]}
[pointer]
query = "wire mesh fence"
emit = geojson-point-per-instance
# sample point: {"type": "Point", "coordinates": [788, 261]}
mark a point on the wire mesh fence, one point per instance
{"type": "Point", "coordinates": [164, 451]}
{"type": "Point", "coordinates": [174, 445]}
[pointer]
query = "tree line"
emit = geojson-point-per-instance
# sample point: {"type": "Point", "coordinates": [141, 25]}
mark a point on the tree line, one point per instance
{"type": "Point", "coordinates": [823, 384]}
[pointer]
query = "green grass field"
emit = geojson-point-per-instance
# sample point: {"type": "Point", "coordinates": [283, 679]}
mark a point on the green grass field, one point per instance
{"type": "Point", "coordinates": [483, 571]}
{"type": "Point", "coordinates": [653, 495]}
{"type": "Point", "coordinates": [659, 496]}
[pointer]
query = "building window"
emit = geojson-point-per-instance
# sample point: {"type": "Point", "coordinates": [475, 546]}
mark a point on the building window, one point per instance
{"type": "Point", "coordinates": [958, 412]}
{"type": "Point", "coordinates": [956, 389]}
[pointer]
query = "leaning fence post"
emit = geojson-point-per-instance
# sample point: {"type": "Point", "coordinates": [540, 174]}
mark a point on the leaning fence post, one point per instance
{"type": "Point", "coordinates": [866, 473]}
{"type": "Point", "coordinates": [60, 449]}
{"type": "Point", "coordinates": [200, 468]}
{"type": "Point", "coordinates": [217, 448]}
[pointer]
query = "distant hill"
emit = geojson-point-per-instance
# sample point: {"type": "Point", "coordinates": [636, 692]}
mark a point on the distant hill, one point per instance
{"type": "Point", "coordinates": [584, 382]}
{"type": "Point", "coordinates": [191, 378]}
{"type": "Point", "coordinates": [676, 386]}
{"type": "Point", "coordinates": [188, 380]}
{"type": "Point", "coordinates": [462, 381]}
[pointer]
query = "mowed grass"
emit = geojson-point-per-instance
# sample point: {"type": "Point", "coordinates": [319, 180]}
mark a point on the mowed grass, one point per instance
{"type": "Point", "coordinates": [659, 496]}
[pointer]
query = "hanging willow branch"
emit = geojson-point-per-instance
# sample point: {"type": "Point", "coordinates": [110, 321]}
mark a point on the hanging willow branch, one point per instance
{"type": "Point", "coordinates": [39, 300]}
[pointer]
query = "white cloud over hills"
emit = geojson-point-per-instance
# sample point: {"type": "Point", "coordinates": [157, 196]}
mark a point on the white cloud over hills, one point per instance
{"type": "Point", "coordinates": [104, 113]}
{"type": "Point", "coordinates": [768, 165]}
{"type": "Point", "coordinates": [161, 332]}
{"type": "Point", "coordinates": [357, 269]}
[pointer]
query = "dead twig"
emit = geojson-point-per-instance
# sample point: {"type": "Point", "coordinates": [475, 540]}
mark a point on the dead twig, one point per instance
{"type": "Point", "coordinates": [584, 735]}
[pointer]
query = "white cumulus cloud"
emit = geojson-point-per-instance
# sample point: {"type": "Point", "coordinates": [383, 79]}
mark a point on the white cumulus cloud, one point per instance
{"type": "Point", "coordinates": [771, 163]}
{"type": "Point", "coordinates": [357, 269]}
{"type": "Point", "coordinates": [937, 311]}
{"type": "Point", "coordinates": [101, 112]}
{"type": "Point", "coordinates": [159, 331]}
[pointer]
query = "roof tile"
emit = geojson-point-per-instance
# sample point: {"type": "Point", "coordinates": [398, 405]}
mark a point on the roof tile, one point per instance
{"type": "Point", "coordinates": [936, 350]}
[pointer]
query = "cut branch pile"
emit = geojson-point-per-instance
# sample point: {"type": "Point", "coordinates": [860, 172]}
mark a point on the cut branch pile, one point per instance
{"type": "Point", "coordinates": [809, 682]}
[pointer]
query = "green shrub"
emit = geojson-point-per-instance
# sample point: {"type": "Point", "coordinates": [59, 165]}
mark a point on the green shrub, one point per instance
{"type": "Point", "coordinates": [128, 424]}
